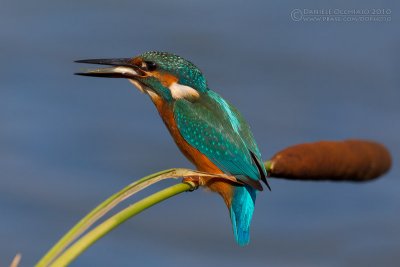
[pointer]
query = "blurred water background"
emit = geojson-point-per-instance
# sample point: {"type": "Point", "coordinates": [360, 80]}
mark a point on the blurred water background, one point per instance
{"type": "Point", "coordinates": [68, 142]}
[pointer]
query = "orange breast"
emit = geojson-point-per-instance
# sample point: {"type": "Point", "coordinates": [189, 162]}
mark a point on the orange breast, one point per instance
{"type": "Point", "coordinates": [201, 162]}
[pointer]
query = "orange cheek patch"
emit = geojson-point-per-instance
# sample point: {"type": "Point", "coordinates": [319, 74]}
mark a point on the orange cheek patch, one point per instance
{"type": "Point", "coordinates": [165, 78]}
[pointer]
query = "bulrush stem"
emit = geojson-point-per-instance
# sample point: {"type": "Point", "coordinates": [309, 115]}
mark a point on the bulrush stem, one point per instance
{"type": "Point", "coordinates": [92, 217]}
{"type": "Point", "coordinates": [103, 208]}
{"type": "Point", "coordinates": [98, 232]}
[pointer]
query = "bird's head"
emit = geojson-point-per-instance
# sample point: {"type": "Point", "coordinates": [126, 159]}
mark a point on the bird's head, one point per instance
{"type": "Point", "coordinates": [158, 74]}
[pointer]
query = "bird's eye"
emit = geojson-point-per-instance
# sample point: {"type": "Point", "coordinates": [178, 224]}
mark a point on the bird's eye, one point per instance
{"type": "Point", "coordinates": [150, 65]}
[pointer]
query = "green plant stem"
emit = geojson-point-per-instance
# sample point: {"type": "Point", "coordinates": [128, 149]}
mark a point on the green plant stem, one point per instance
{"type": "Point", "coordinates": [90, 218]}
{"type": "Point", "coordinates": [110, 203]}
{"type": "Point", "coordinates": [92, 236]}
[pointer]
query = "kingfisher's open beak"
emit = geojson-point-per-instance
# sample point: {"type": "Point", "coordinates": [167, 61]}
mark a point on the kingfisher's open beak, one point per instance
{"type": "Point", "coordinates": [122, 68]}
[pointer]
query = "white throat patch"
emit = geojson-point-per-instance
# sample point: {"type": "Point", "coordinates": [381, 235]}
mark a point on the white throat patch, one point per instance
{"type": "Point", "coordinates": [179, 91]}
{"type": "Point", "coordinates": [138, 85]}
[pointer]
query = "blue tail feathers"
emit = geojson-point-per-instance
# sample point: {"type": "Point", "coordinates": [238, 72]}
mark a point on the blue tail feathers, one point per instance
{"type": "Point", "coordinates": [241, 212]}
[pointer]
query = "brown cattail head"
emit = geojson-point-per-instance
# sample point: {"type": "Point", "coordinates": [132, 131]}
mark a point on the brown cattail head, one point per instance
{"type": "Point", "coordinates": [349, 160]}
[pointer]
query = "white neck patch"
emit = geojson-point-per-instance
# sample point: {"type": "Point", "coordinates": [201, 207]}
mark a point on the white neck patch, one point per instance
{"type": "Point", "coordinates": [179, 91]}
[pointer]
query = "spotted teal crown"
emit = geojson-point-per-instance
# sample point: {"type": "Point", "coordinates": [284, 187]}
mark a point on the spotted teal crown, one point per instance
{"type": "Point", "coordinates": [187, 73]}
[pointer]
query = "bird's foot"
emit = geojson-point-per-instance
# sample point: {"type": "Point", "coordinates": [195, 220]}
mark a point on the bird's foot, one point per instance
{"type": "Point", "coordinates": [194, 181]}
{"type": "Point", "coordinates": [193, 188]}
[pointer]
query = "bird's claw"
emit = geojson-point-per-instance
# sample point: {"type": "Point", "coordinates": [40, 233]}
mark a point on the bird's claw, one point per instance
{"type": "Point", "coordinates": [193, 188]}
{"type": "Point", "coordinates": [193, 181]}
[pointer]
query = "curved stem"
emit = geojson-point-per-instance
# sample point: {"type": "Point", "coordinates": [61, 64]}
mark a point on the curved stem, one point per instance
{"type": "Point", "coordinates": [96, 213]}
{"type": "Point", "coordinates": [92, 236]}
{"type": "Point", "coordinates": [114, 200]}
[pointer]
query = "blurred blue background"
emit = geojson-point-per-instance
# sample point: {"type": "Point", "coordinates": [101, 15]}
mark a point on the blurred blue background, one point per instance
{"type": "Point", "coordinates": [68, 142]}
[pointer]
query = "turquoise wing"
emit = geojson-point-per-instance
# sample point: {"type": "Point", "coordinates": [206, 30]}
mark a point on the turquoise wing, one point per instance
{"type": "Point", "coordinates": [250, 142]}
{"type": "Point", "coordinates": [218, 131]}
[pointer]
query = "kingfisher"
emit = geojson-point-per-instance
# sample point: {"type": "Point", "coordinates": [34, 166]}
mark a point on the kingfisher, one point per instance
{"type": "Point", "coordinates": [208, 130]}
